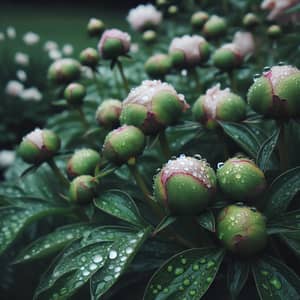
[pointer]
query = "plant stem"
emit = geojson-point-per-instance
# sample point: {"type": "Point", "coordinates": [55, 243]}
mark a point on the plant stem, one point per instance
{"type": "Point", "coordinates": [282, 147]}
{"type": "Point", "coordinates": [82, 118]}
{"type": "Point", "coordinates": [97, 82]}
{"type": "Point", "coordinates": [225, 6]}
{"type": "Point", "coordinates": [124, 79]}
{"type": "Point", "coordinates": [105, 173]}
{"type": "Point", "coordinates": [197, 80]}
{"type": "Point", "coordinates": [164, 144]}
{"type": "Point", "coordinates": [58, 173]}
{"type": "Point", "coordinates": [232, 80]}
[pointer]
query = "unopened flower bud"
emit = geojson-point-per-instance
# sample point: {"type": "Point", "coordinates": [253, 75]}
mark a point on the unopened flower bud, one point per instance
{"type": "Point", "coordinates": [123, 144]}
{"type": "Point", "coordinates": [242, 230]}
{"type": "Point", "coordinates": [185, 186]}
{"type": "Point", "coordinates": [83, 189]}
{"type": "Point", "coordinates": [64, 71]}
{"type": "Point", "coordinates": [83, 162]}
{"type": "Point", "coordinates": [114, 43]}
{"type": "Point", "coordinates": [172, 10]}
{"type": "Point", "coordinates": [95, 27]}
{"type": "Point", "coordinates": [241, 179]}
{"type": "Point", "coordinates": [39, 146]}
{"type": "Point", "coordinates": [276, 92]}
{"type": "Point", "coordinates": [250, 20]}
{"type": "Point", "coordinates": [89, 57]}
{"type": "Point", "coordinates": [159, 65]}
{"type": "Point", "coordinates": [108, 113]}
{"type": "Point", "coordinates": [198, 19]}
{"type": "Point", "coordinates": [152, 106]}
{"type": "Point", "coordinates": [274, 31]}
{"type": "Point", "coordinates": [149, 36]}
{"type": "Point", "coordinates": [75, 93]}
{"type": "Point", "coordinates": [214, 27]}
{"type": "Point", "coordinates": [218, 104]}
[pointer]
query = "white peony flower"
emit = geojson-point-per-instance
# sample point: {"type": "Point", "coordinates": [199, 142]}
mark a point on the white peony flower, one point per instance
{"type": "Point", "coordinates": [31, 94]}
{"type": "Point", "coordinates": [50, 45]}
{"type": "Point", "coordinates": [7, 158]}
{"type": "Point", "coordinates": [31, 38]}
{"type": "Point", "coordinates": [22, 59]}
{"type": "Point", "coordinates": [14, 88]}
{"type": "Point", "coordinates": [144, 15]}
{"type": "Point", "coordinates": [11, 32]}
{"type": "Point", "coordinates": [21, 75]}
{"type": "Point", "coordinates": [67, 49]}
{"type": "Point", "coordinates": [244, 42]}
{"type": "Point", "coordinates": [54, 54]}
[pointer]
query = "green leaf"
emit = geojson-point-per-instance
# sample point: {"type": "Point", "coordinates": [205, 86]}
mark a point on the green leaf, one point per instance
{"type": "Point", "coordinates": [266, 150]}
{"type": "Point", "coordinates": [53, 242]}
{"type": "Point", "coordinates": [120, 256]}
{"type": "Point", "coordinates": [274, 280]}
{"type": "Point", "coordinates": [120, 205]}
{"type": "Point", "coordinates": [281, 192]}
{"type": "Point", "coordinates": [164, 223]}
{"type": "Point", "coordinates": [293, 9]}
{"type": "Point", "coordinates": [186, 275]}
{"type": "Point", "coordinates": [207, 221]}
{"type": "Point", "coordinates": [237, 276]}
{"type": "Point", "coordinates": [292, 239]}
{"type": "Point", "coordinates": [14, 219]}
{"type": "Point", "coordinates": [285, 223]}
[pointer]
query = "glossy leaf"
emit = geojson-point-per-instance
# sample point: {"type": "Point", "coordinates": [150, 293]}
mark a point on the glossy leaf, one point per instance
{"type": "Point", "coordinates": [186, 275]}
{"type": "Point", "coordinates": [207, 221]}
{"type": "Point", "coordinates": [281, 192]}
{"type": "Point", "coordinates": [165, 222]}
{"type": "Point", "coordinates": [120, 256]}
{"type": "Point", "coordinates": [274, 280]}
{"type": "Point", "coordinates": [285, 223]}
{"type": "Point", "coordinates": [120, 205]}
{"type": "Point", "coordinates": [292, 239]}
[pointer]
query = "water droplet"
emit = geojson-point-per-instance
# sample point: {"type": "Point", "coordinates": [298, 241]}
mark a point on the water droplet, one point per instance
{"type": "Point", "coordinates": [265, 286]}
{"type": "Point", "coordinates": [239, 204]}
{"type": "Point", "coordinates": [253, 209]}
{"type": "Point", "coordinates": [97, 258]}
{"type": "Point", "coordinates": [197, 156]}
{"type": "Point", "coordinates": [165, 290]}
{"type": "Point", "coordinates": [192, 292]}
{"type": "Point", "coordinates": [178, 271]}
{"type": "Point", "coordinates": [183, 261]}
{"type": "Point", "coordinates": [129, 250]}
{"type": "Point", "coordinates": [159, 287]}
{"type": "Point", "coordinates": [93, 267]}
{"type": "Point", "coordinates": [170, 269]}
{"type": "Point", "coordinates": [267, 69]}
{"type": "Point", "coordinates": [238, 176]}
{"type": "Point", "coordinates": [275, 283]}
{"type": "Point", "coordinates": [186, 282]}
{"type": "Point", "coordinates": [210, 264]}
{"type": "Point", "coordinates": [85, 273]}
{"type": "Point", "coordinates": [220, 165]}
{"type": "Point", "coordinates": [108, 278]}
{"type": "Point", "coordinates": [117, 269]}
{"type": "Point", "coordinates": [113, 254]}
{"type": "Point", "coordinates": [208, 279]}
{"type": "Point", "coordinates": [202, 261]}
{"type": "Point", "coordinates": [196, 267]}
{"type": "Point", "coordinates": [281, 63]}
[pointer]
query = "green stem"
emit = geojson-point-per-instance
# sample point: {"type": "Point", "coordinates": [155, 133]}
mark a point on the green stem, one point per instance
{"type": "Point", "coordinates": [82, 118]}
{"type": "Point", "coordinates": [197, 80]}
{"type": "Point", "coordinates": [58, 173]}
{"type": "Point", "coordinates": [106, 172]}
{"type": "Point", "coordinates": [97, 82]}
{"type": "Point", "coordinates": [164, 144]}
{"type": "Point", "coordinates": [232, 80]}
{"type": "Point", "coordinates": [124, 79]}
{"type": "Point", "coordinates": [225, 6]}
{"type": "Point", "coordinates": [282, 147]}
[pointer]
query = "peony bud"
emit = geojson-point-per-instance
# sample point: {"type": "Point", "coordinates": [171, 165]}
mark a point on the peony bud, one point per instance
{"type": "Point", "coordinates": [214, 27]}
{"type": "Point", "coordinates": [250, 20]}
{"type": "Point", "coordinates": [39, 146]}
{"type": "Point", "coordinates": [242, 229]}
{"type": "Point", "coordinates": [152, 106]}
{"type": "Point", "coordinates": [241, 179]}
{"type": "Point", "coordinates": [108, 113]}
{"type": "Point", "coordinates": [219, 104]}
{"type": "Point", "coordinates": [83, 189]}
{"type": "Point", "coordinates": [64, 71]}
{"type": "Point", "coordinates": [185, 186]}
{"type": "Point", "coordinates": [89, 57]}
{"type": "Point", "coordinates": [74, 93]}
{"type": "Point", "coordinates": [123, 143]}
{"type": "Point", "coordinates": [276, 92]}
{"type": "Point", "coordinates": [114, 43]}
{"type": "Point", "coordinates": [95, 27]}
{"type": "Point", "coordinates": [158, 65]}
{"type": "Point", "coordinates": [83, 162]}
{"type": "Point", "coordinates": [172, 10]}
{"type": "Point", "coordinates": [198, 19]}
{"type": "Point", "coordinates": [274, 31]}
{"type": "Point", "coordinates": [188, 51]}
{"type": "Point", "coordinates": [149, 36]}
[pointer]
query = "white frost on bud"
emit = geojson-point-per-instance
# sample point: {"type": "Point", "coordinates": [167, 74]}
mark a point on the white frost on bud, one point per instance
{"type": "Point", "coordinates": [14, 88]}
{"type": "Point", "coordinates": [190, 46]}
{"type": "Point", "coordinates": [277, 73]}
{"type": "Point", "coordinates": [36, 137]}
{"type": "Point", "coordinates": [212, 97]}
{"type": "Point", "coordinates": [144, 15]}
{"type": "Point", "coordinates": [244, 42]}
{"type": "Point", "coordinates": [7, 158]}
{"type": "Point", "coordinates": [22, 59]}
{"type": "Point", "coordinates": [67, 49]}
{"type": "Point", "coordinates": [11, 32]}
{"type": "Point", "coordinates": [31, 38]}
{"type": "Point", "coordinates": [31, 94]}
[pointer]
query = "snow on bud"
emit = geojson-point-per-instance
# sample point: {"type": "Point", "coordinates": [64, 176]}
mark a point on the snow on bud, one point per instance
{"type": "Point", "coordinates": [242, 229]}
{"type": "Point", "coordinates": [31, 38]}
{"type": "Point", "coordinates": [144, 17]}
{"type": "Point", "coordinates": [39, 146]}
{"type": "Point", "coordinates": [276, 92]}
{"type": "Point", "coordinates": [219, 104]}
{"type": "Point", "coordinates": [114, 43]}
{"type": "Point", "coordinates": [158, 65]}
{"type": "Point", "coordinates": [89, 57]}
{"type": "Point", "coordinates": [14, 88]}
{"type": "Point", "coordinates": [188, 51]}
{"type": "Point", "coordinates": [108, 113]}
{"type": "Point", "coordinates": [185, 185]}
{"type": "Point", "coordinates": [22, 59]}
{"type": "Point", "coordinates": [152, 106]}
{"type": "Point", "coordinates": [214, 27]}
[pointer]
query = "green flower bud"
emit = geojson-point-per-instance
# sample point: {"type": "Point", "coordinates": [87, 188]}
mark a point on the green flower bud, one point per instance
{"type": "Point", "coordinates": [172, 10]}
{"type": "Point", "coordinates": [242, 230]}
{"type": "Point", "coordinates": [123, 143]}
{"type": "Point", "coordinates": [95, 27]}
{"type": "Point", "coordinates": [219, 104]}
{"type": "Point", "coordinates": [198, 19]}
{"type": "Point", "coordinates": [227, 57]}
{"type": "Point", "coordinates": [241, 179]}
{"type": "Point", "coordinates": [185, 186]}
{"type": "Point", "coordinates": [274, 31]}
{"type": "Point", "coordinates": [276, 92]}
{"type": "Point", "coordinates": [39, 146]}
{"type": "Point", "coordinates": [149, 36]}
{"type": "Point", "coordinates": [215, 27]}
{"type": "Point", "coordinates": [74, 94]}
{"type": "Point", "coordinates": [64, 71]}
{"type": "Point", "coordinates": [108, 113]}
{"type": "Point", "coordinates": [250, 20]}
{"type": "Point", "coordinates": [159, 65]}
{"type": "Point", "coordinates": [89, 57]}
{"type": "Point", "coordinates": [152, 106]}
{"type": "Point", "coordinates": [83, 189]}
{"type": "Point", "coordinates": [83, 162]}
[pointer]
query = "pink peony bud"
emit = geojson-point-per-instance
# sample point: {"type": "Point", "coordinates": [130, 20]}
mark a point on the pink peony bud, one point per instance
{"type": "Point", "coordinates": [244, 41]}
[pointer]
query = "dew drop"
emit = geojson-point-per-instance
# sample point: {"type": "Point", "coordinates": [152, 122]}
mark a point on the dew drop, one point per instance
{"type": "Point", "coordinates": [178, 271]}
{"type": "Point", "coordinates": [129, 250]}
{"type": "Point", "coordinates": [85, 273]}
{"type": "Point", "coordinates": [113, 254]}
{"type": "Point", "coordinates": [275, 283]}
{"type": "Point", "coordinates": [196, 267]}
{"type": "Point", "coordinates": [220, 165]}
{"type": "Point", "coordinates": [186, 282]}
{"type": "Point", "coordinates": [97, 258]}
{"type": "Point", "coordinates": [192, 292]}
{"type": "Point", "coordinates": [93, 267]}
{"type": "Point", "coordinates": [108, 278]}
{"type": "Point", "coordinates": [210, 264]}
{"type": "Point", "coordinates": [170, 269]}
{"type": "Point", "coordinates": [183, 261]}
